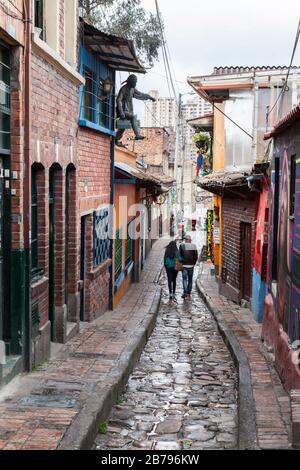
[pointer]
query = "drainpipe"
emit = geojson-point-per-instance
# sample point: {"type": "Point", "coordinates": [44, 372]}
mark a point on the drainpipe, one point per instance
{"type": "Point", "coordinates": [112, 205]}
{"type": "Point", "coordinates": [255, 119]}
{"type": "Point", "coordinates": [26, 186]}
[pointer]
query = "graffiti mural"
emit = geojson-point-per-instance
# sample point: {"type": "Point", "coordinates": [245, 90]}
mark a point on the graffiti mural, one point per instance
{"type": "Point", "coordinates": [283, 239]}
{"type": "Point", "coordinates": [210, 231]}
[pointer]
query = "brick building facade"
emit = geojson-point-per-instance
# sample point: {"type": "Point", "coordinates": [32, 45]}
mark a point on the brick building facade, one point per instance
{"type": "Point", "coordinates": [54, 185]}
{"type": "Point", "coordinates": [238, 215]}
{"type": "Point", "coordinates": [156, 150]}
{"type": "Point", "coordinates": [94, 194]}
{"type": "Point", "coordinates": [12, 249]}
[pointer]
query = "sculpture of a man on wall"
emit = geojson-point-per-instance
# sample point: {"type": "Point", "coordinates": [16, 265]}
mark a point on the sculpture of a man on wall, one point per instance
{"type": "Point", "coordinates": [125, 106]}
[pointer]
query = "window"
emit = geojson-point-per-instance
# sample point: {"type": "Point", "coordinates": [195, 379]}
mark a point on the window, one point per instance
{"type": "Point", "coordinates": [88, 95]}
{"type": "Point", "coordinates": [129, 254]}
{"type": "Point", "coordinates": [293, 186]}
{"type": "Point", "coordinates": [35, 269]}
{"type": "Point", "coordinates": [118, 255]}
{"type": "Point", "coordinates": [97, 107]}
{"type": "Point", "coordinates": [39, 16]}
{"type": "Point", "coordinates": [101, 237]}
{"type": "Point", "coordinates": [4, 99]}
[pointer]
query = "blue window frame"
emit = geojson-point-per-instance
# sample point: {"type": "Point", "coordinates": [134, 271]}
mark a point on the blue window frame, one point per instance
{"type": "Point", "coordinates": [101, 237]}
{"type": "Point", "coordinates": [96, 110]}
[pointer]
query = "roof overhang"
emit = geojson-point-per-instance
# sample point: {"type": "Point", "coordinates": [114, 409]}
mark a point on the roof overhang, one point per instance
{"type": "Point", "coordinates": [216, 87]}
{"type": "Point", "coordinates": [284, 123]}
{"type": "Point", "coordinates": [205, 123]}
{"type": "Point", "coordinates": [118, 53]}
{"type": "Point", "coordinates": [226, 182]}
{"type": "Point", "coordinates": [156, 183]}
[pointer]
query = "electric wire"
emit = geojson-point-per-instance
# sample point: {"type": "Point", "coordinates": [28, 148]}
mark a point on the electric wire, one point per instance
{"type": "Point", "coordinates": [284, 88]}
{"type": "Point", "coordinates": [168, 69]}
{"type": "Point", "coordinates": [11, 15]}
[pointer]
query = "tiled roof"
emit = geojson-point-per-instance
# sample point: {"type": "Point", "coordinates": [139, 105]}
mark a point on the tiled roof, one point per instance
{"type": "Point", "coordinates": [286, 121]}
{"type": "Point", "coordinates": [241, 69]}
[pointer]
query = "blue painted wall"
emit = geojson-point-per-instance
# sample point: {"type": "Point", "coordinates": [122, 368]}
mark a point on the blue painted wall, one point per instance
{"type": "Point", "coordinates": [259, 292]}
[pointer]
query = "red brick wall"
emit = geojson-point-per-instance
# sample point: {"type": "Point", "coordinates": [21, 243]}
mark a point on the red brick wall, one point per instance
{"type": "Point", "coordinates": [93, 175]}
{"type": "Point", "coordinates": [93, 164]}
{"type": "Point", "coordinates": [16, 159]}
{"type": "Point", "coordinates": [54, 107]}
{"type": "Point", "coordinates": [234, 212]}
{"type": "Point", "coordinates": [154, 147]}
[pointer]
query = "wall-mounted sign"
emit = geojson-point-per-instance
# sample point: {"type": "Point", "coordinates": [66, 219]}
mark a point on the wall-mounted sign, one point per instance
{"type": "Point", "coordinates": [210, 230]}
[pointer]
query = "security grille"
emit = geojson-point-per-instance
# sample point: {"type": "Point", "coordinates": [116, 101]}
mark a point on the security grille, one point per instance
{"type": "Point", "coordinates": [118, 255]}
{"type": "Point", "coordinates": [101, 236]}
{"type": "Point", "coordinates": [128, 248]}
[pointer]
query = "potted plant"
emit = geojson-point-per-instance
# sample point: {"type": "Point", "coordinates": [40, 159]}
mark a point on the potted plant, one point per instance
{"type": "Point", "coordinates": [202, 141]}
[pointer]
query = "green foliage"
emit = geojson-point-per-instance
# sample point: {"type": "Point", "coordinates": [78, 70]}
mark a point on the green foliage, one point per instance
{"type": "Point", "coordinates": [202, 141]}
{"type": "Point", "coordinates": [126, 18]}
{"type": "Point", "coordinates": [102, 429]}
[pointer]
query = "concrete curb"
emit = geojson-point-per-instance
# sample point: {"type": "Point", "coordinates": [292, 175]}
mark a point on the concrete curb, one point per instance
{"type": "Point", "coordinates": [247, 438]}
{"type": "Point", "coordinates": [83, 431]}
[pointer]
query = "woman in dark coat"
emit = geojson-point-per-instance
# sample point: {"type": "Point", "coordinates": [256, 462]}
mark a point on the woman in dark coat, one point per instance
{"type": "Point", "coordinates": [171, 255]}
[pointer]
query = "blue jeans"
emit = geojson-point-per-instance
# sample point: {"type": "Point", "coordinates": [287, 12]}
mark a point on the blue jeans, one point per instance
{"type": "Point", "coordinates": [187, 279]}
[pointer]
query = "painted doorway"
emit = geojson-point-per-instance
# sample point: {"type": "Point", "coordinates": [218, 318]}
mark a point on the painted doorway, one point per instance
{"type": "Point", "coordinates": [52, 251]}
{"type": "Point", "coordinates": [2, 319]}
{"type": "Point", "coordinates": [82, 268]}
{"type": "Point", "coordinates": [246, 261]}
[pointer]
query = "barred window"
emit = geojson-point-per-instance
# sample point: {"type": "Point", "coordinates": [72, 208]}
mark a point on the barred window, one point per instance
{"type": "Point", "coordinates": [129, 250]}
{"type": "Point", "coordinates": [97, 107]}
{"type": "Point", "coordinates": [101, 237]}
{"type": "Point", "coordinates": [118, 255]}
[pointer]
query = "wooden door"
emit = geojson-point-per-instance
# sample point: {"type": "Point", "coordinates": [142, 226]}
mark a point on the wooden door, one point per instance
{"type": "Point", "coordinates": [246, 261]}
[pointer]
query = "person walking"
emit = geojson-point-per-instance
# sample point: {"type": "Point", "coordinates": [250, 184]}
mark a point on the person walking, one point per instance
{"type": "Point", "coordinates": [171, 255]}
{"type": "Point", "coordinates": [188, 256]}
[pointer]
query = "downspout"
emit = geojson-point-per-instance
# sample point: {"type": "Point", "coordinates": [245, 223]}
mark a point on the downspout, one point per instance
{"type": "Point", "coordinates": [112, 205]}
{"type": "Point", "coordinates": [255, 120]}
{"type": "Point", "coordinates": [26, 186]}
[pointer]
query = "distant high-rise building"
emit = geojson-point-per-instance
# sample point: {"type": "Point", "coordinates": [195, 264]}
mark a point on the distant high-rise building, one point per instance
{"type": "Point", "coordinates": [161, 113]}
{"type": "Point", "coordinates": [193, 108]}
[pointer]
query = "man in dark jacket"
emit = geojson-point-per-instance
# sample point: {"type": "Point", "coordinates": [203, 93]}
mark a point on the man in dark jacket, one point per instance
{"type": "Point", "coordinates": [188, 256]}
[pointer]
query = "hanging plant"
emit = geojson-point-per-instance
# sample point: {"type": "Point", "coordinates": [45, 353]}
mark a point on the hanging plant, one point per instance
{"type": "Point", "coordinates": [202, 141]}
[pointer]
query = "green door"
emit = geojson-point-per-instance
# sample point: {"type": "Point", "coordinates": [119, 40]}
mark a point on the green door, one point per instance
{"type": "Point", "coordinates": [51, 252]}
{"type": "Point", "coordinates": [1, 256]}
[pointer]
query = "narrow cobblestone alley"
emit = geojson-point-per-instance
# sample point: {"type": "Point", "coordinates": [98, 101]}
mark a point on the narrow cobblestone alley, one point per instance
{"type": "Point", "coordinates": [182, 394]}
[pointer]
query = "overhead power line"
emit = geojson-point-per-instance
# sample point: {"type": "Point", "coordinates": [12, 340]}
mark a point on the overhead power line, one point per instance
{"type": "Point", "coordinates": [284, 88]}
{"type": "Point", "coordinates": [165, 52]}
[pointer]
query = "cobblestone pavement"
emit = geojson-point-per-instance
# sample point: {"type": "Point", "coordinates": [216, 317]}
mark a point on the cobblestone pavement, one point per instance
{"type": "Point", "coordinates": [271, 403]}
{"type": "Point", "coordinates": [182, 394]}
{"type": "Point", "coordinates": [37, 410]}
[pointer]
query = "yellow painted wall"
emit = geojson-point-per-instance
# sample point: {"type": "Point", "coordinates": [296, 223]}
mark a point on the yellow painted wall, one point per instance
{"type": "Point", "coordinates": [129, 190]}
{"type": "Point", "coordinates": [219, 164]}
{"type": "Point", "coordinates": [219, 138]}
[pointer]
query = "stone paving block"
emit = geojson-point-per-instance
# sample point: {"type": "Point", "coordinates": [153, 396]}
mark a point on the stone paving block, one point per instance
{"type": "Point", "coordinates": [271, 402]}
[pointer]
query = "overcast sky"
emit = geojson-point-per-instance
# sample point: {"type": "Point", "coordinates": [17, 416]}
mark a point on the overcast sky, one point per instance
{"type": "Point", "coordinates": [204, 34]}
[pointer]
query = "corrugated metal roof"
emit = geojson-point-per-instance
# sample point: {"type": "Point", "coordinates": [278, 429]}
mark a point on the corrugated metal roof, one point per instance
{"type": "Point", "coordinates": [156, 178]}
{"type": "Point", "coordinates": [285, 122]}
{"type": "Point", "coordinates": [118, 53]}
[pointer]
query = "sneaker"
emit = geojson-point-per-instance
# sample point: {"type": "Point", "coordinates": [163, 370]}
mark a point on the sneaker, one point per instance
{"type": "Point", "coordinates": [170, 297]}
{"type": "Point", "coordinates": [140, 137]}
{"type": "Point", "coordinates": [184, 296]}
